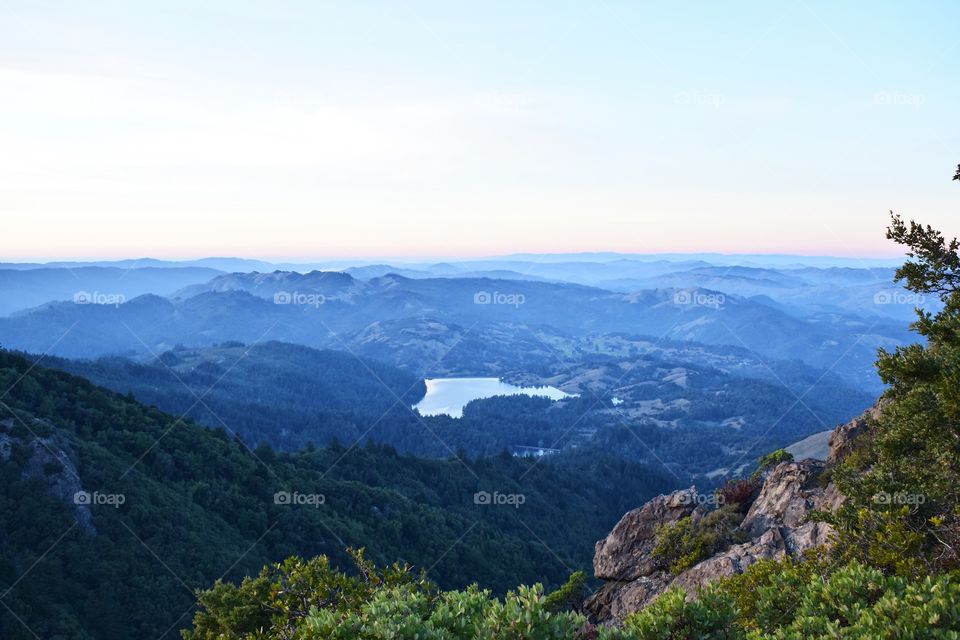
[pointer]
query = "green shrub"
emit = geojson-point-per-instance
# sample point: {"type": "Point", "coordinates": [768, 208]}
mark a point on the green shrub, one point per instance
{"type": "Point", "coordinates": [311, 600]}
{"type": "Point", "coordinates": [570, 596]}
{"type": "Point", "coordinates": [673, 616]}
{"type": "Point", "coordinates": [892, 541]}
{"type": "Point", "coordinates": [684, 543]}
{"type": "Point", "coordinates": [404, 612]}
{"type": "Point", "coordinates": [771, 460]}
{"type": "Point", "coordinates": [861, 603]}
{"type": "Point", "coordinates": [767, 594]}
{"type": "Point", "coordinates": [275, 603]}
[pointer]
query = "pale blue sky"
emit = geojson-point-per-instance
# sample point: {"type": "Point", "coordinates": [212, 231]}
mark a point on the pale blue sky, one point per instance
{"type": "Point", "coordinates": [320, 129]}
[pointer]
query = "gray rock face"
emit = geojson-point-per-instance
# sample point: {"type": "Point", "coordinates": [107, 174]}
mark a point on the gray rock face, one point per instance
{"type": "Point", "coordinates": [778, 524]}
{"type": "Point", "coordinates": [614, 601]}
{"type": "Point", "coordinates": [789, 493]}
{"type": "Point", "coordinates": [50, 461]}
{"type": "Point", "coordinates": [626, 553]}
{"type": "Point", "coordinates": [808, 536]}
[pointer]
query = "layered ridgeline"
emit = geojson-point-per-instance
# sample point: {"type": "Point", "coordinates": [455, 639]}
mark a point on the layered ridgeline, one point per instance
{"type": "Point", "coordinates": [113, 513]}
{"type": "Point", "coordinates": [453, 326]}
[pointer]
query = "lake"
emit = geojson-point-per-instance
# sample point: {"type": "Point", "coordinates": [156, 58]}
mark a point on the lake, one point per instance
{"type": "Point", "coordinates": [450, 395]}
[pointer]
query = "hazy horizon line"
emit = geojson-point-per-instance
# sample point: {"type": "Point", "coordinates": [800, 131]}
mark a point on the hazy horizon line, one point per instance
{"type": "Point", "coordinates": [421, 259]}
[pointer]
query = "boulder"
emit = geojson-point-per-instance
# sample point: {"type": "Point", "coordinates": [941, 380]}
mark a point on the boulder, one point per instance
{"type": "Point", "coordinates": [626, 553]}
{"type": "Point", "coordinates": [790, 491]}
{"type": "Point", "coordinates": [808, 536]}
{"type": "Point", "coordinates": [614, 601]}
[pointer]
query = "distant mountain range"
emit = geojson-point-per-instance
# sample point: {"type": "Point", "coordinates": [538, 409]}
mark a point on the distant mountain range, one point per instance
{"type": "Point", "coordinates": [246, 264]}
{"type": "Point", "coordinates": [855, 287]}
{"type": "Point", "coordinates": [26, 288]}
{"type": "Point", "coordinates": [423, 319]}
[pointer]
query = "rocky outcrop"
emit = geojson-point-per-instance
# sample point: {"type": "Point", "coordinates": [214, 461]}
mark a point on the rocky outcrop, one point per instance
{"type": "Point", "coordinates": [626, 554]}
{"type": "Point", "coordinates": [788, 494]}
{"type": "Point", "coordinates": [776, 525]}
{"type": "Point", "coordinates": [841, 441]}
{"type": "Point", "coordinates": [48, 458]}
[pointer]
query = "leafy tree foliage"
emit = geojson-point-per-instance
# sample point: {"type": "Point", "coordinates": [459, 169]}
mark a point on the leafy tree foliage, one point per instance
{"type": "Point", "coordinates": [934, 266]}
{"type": "Point", "coordinates": [793, 600]}
{"type": "Point", "coordinates": [712, 617]}
{"type": "Point", "coordinates": [904, 510]}
{"type": "Point", "coordinates": [311, 600]}
{"type": "Point", "coordinates": [771, 460]}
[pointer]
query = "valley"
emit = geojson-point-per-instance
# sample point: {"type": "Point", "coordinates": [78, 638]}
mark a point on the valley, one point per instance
{"type": "Point", "coordinates": [436, 420]}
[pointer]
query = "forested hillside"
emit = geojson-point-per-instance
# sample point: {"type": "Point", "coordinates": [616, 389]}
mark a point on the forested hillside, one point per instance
{"type": "Point", "coordinates": [110, 506]}
{"type": "Point", "coordinates": [700, 409]}
{"type": "Point", "coordinates": [281, 394]}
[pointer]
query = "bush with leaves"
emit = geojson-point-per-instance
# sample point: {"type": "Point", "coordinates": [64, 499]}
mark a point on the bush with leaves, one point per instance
{"type": "Point", "coordinates": [570, 596]}
{"type": "Point", "coordinates": [673, 616]}
{"type": "Point", "coordinates": [860, 603]}
{"type": "Point", "coordinates": [311, 600]}
{"type": "Point", "coordinates": [404, 612]}
{"type": "Point", "coordinates": [769, 461]}
{"type": "Point", "coordinates": [793, 600]}
{"type": "Point", "coordinates": [738, 494]}
{"type": "Point", "coordinates": [275, 603]}
{"type": "Point", "coordinates": [684, 543]}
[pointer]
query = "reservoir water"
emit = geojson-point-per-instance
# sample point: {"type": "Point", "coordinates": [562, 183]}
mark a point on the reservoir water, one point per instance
{"type": "Point", "coordinates": [450, 395]}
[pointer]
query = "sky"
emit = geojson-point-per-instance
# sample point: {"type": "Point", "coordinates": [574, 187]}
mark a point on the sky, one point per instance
{"type": "Point", "coordinates": [315, 129]}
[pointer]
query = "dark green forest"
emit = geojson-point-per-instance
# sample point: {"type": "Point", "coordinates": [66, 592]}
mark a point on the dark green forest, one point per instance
{"type": "Point", "coordinates": [200, 505]}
